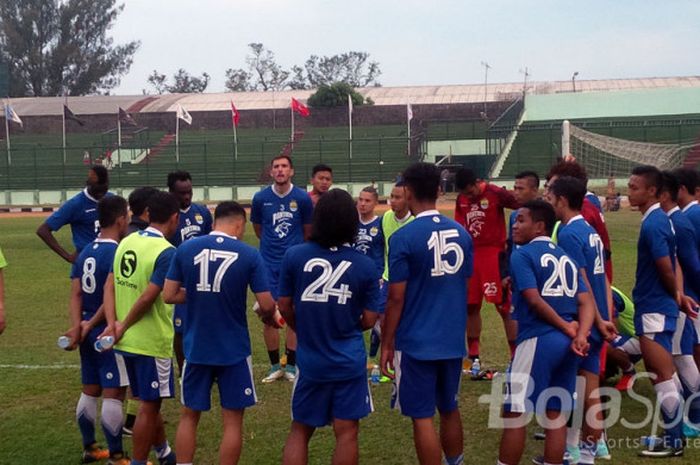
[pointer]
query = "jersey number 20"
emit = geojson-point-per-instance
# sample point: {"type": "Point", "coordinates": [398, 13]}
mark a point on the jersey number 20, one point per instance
{"type": "Point", "coordinates": [558, 285]}
{"type": "Point", "coordinates": [203, 258]}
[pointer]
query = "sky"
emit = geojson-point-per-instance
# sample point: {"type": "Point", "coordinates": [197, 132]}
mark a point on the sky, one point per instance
{"type": "Point", "coordinates": [418, 42]}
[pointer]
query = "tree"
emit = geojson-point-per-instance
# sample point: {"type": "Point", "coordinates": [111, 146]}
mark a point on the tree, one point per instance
{"type": "Point", "coordinates": [350, 67]}
{"type": "Point", "coordinates": [264, 73]}
{"type": "Point", "coordinates": [183, 82]}
{"type": "Point", "coordinates": [334, 95]}
{"type": "Point", "coordinates": [52, 45]}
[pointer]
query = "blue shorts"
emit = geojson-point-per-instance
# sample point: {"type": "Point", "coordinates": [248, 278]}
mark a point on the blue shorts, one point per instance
{"type": "Point", "coordinates": [684, 336]}
{"type": "Point", "coordinates": [106, 369]}
{"type": "Point", "coordinates": [629, 345]}
{"type": "Point", "coordinates": [421, 386]}
{"type": "Point", "coordinates": [541, 363]}
{"type": "Point", "coordinates": [273, 280]}
{"type": "Point", "coordinates": [657, 327]}
{"type": "Point", "coordinates": [236, 389]}
{"type": "Point", "coordinates": [318, 403]}
{"type": "Point", "coordinates": [150, 378]}
{"type": "Point", "coordinates": [591, 362]}
{"type": "Point", "coordinates": [383, 294]}
{"type": "Point", "coordinates": [178, 316]}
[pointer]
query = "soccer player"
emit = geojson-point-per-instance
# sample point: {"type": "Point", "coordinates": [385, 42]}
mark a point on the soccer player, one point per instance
{"type": "Point", "coordinates": [582, 244]}
{"type": "Point", "coordinates": [329, 293]}
{"type": "Point", "coordinates": [138, 199]}
{"type": "Point", "coordinates": [555, 314]}
{"type": "Point", "coordinates": [480, 210]}
{"type": "Point", "coordinates": [656, 301]}
{"type": "Point", "coordinates": [3, 265]}
{"type": "Point", "coordinates": [215, 271]}
{"type": "Point", "coordinates": [321, 181]}
{"type": "Point", "coordinates": [80, 212]}
{"type": "Point", "coordinates": [281, 215]}
{"type": "Point", "coordinates": [194, 221]}
{"type": "Point", "coordinates": [430, 262]}
{"type": "Point", "coordinates": [370, 241]}
{"type": "Point", "coordinates": [142, 323]}
{"type": "Point", "coordinates": [103, 373]}
{"type": "Point", "coordinates": [625, 351]}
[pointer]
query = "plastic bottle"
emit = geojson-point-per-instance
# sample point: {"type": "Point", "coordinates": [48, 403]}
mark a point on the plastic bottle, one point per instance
{"type": "Point", "coordinates": [104, 343]}
{"type": "Point", "coordinates": [375, 374]}
{"type": "Point", "coordinates": [64, 342]}
{"type": "Point", "coordinates": [476, 367]}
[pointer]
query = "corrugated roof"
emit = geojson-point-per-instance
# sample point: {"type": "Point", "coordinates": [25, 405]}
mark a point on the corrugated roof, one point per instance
{"type": "Point", "coordinates": [416, 95]}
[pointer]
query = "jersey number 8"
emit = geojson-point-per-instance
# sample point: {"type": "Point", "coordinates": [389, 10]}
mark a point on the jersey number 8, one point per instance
{"type": "Point", "coordinates": [88, 281]}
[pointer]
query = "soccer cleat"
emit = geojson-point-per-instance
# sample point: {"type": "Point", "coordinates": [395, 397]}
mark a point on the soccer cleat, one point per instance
{"type": "Point", "coordinates": [602, 452]}
{"type": "Point", "coordinates": [466, 365]}
{"type": "Point", "coordinates": [572, 454]}
{"type": "Point", "coordinates": [290, 373]}
{"type": "Point", "coordinates": [121, 459]}
{"type": "Point", "coordinates": [94, 453]}
{"type": "Point", "coordinates": [539, 460]}
{"type": "Point", "coordinates": [127, 431]}
{"type": "Point", "coordinates": [168, 459]}
{"type": "Point", "coordinates": [274, 374]}
{"type": "Point", "coordinates": [690, 432]}
{"type": "Point", "coordinates": [539, 435]}
{"type": "Point", "coordinates": [626, 382]}
{"type": "Point", "coordinates": [661, 451]}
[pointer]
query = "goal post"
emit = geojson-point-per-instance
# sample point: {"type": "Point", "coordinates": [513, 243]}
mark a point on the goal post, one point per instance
{"type": "Point", "coordinates": [605, 156]}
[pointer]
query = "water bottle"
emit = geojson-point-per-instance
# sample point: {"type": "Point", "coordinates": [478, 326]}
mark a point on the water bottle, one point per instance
{"type": "Point", "coordinates": [375, 374]}
{"type": "Point", "coordinates": [104, 343]}
{"type": "Point", "coordinates": [476, 367]}
{"type": "Point", "coordinates": [64, 342]}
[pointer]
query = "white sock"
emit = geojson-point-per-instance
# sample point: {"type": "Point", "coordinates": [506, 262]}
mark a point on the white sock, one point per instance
{"type": "Point", "coordinates": [112, 415]}
{"type": "Point", "coordinates": [688, 372]}
{"type": "Point", "coordinates": [573, 436]}
{"type": "Point", "coordinates": [668, 395]}
{"type": "Point", "coordinates": [87, 407]}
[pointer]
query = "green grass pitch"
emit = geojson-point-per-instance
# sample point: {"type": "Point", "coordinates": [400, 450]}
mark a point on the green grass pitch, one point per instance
{"type": "Point", "coordinates": [39, 384]}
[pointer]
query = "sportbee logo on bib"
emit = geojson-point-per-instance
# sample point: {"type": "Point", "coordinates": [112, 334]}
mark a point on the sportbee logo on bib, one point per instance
{"type": "Point", "coordinates": [127, 266]}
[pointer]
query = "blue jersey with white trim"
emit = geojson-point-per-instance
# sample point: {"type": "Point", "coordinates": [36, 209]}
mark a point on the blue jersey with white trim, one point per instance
{"type": "Point", "coordinates": [330, 289]}
{"type": "Point", "coordinates": [582, 243]}
{"type": "Point", "coordinates": [692, 212]}
{"type": "Point", "coordinates": [92, 267]}
{"type": "Point", "coordinates": [687, 253]}
{"type": "Point", "coordinates": [370, 241]}
{"type": "Point", "coordinates": [195, 221]}
{"type": "Point", "coordinates": [282, 219]}
{"type": "Point", "coordinates": [656, 240]}
{"type": "Point", "coordinates": [545, 267]}
{"type": "Point", "coordinates": [216, 271]}
{"type": "Point", "coordinates": [433, 255]}
{"type": "Point", "coordinates": [80, 212]}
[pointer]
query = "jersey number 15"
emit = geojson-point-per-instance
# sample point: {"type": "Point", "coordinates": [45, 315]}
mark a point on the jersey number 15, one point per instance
{"type": "Point", "coordinates": [440, 247]}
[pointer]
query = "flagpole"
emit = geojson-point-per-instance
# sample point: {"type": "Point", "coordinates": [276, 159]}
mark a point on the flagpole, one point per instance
{"type": "Point", "coordinates": [119, 132]}
{"type": "Point", "coordinates": [291, 139]}
{"type": "Point", "coordinates": [7, 133]}
{"type": "Point", "coordinates": [177, 138]}
{"type": "Point", "coordinates": [63, 121]}
{"type": "Point", "coordinates": [408, 125]}
{"type": "Point", "coordinates": [350, 122]}
{"type": "Point", "coordinates": [235, 141]}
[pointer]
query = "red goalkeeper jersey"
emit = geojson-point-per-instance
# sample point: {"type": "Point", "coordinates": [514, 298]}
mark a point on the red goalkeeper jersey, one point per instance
{"type": "Point", "coordinates": [483, 216]}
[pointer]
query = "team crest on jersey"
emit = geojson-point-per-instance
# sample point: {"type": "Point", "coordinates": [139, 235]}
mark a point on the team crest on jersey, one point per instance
{"type": "Point", "coordinates": [484, 204]}
{"type": "Point", "coordinates": [198, 218]}
{"type": "Point", "coordinates": [293, 205]}
{"type": "Point", "coordinates": [373, 231]}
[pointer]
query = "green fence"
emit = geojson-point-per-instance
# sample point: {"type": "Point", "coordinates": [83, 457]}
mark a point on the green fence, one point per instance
{"type": "Point", "coordinates": [212, 161]}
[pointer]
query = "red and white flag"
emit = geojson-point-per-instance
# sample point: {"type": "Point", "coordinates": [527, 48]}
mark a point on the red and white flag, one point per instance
{"type": "Point", "coordinates": [300, 108]}
{"type": "Point", "coordinates": [235, 115]}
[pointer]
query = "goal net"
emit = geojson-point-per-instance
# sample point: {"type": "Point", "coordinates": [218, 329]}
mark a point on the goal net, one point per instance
{"type": "Point", "coordinates": [604, 155]}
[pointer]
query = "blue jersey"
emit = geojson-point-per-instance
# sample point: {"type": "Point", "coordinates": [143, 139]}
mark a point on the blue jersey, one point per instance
{"type": "Point", "coordinates": [692, 212]}
{"type": "Point", "coordinates": [543, 266]}
{"type": "Point", "coordinates": [216, 271]}
{"type": "Point", "coordinates": [282, 218]}
{"type": "Point", "coordinates": [92, 267]}
{"type": "Point", "coordinates": [330, 289]}
{"type": "Point", "coordinates": [593, 198]}
{"type": "Point", "coordinates": [510, 245]}
{"type": "Point", "coordinates": [583, 244]}
{"type": "Point", "coordinates": [80, 212]}
{"type": "Point", "coordinates": [433, 255]}
{"type": "Point", "coordinates": [656, 240]}
{"type": "Point", "coordinates": [370, 241]}
{"type": "Point", "coordinates": [687, 252]}
{"type": "Point", "coordinates": [195, 221]}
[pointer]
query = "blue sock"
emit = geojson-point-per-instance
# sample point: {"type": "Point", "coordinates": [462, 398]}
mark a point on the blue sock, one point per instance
{"type": "Point", "coordinates": [458, 460]}
{"type": "Point", "coordinates": [85, 414]}
{"type": "Point", "coordinates": [163, 450]}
